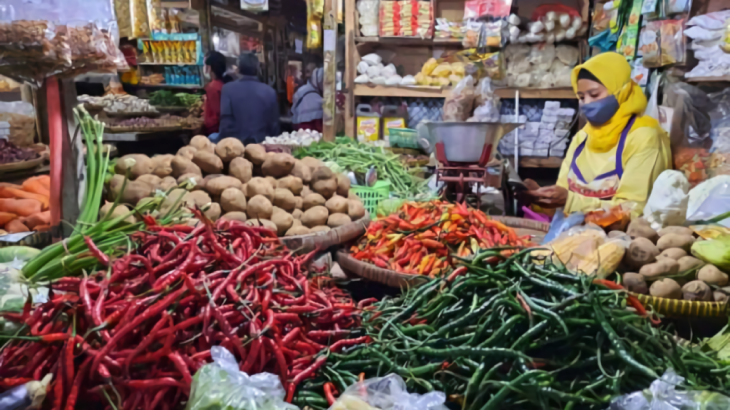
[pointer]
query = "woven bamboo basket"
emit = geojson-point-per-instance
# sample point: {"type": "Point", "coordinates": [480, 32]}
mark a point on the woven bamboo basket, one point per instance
{"type": "Point", "coordinates": [37, 240]}
{"type": "Point", "coordinates": [684, 308]}
{"type": "Point", "coordinates": [325, 240]}
{"type": "Point", "coordinates": [396, 279]}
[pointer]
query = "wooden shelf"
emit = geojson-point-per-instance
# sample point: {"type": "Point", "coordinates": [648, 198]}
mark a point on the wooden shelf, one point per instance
{"type": "Point", "coordinates": [409, 41]}
{"type": "Point", "coordinates": [173, 86]}
{"type": "Point", "coordinates": [392, 91]}
{"type": "Point", "coordinates": [545, 93]}
{"type": "Point", "coordinates": [708, 79]}
{"type": "Point", "coordinates": [366, 90]}
{"type": "Point", "coordinates": [540, 162]}
{"type": "Point", "coordinates": [181, 64]}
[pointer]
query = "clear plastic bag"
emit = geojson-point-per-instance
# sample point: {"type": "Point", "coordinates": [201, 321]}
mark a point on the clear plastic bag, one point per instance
{"type": "Point", "coordinates": [220, 385]}
{"type": "Point", "coordinates": [44, 38]}
{"type": "Point", "coordinates": [709, 199]}
{"type": "Point", "coordinates": [387, 393]}
{"type": "Point", "coordinates": [667, 204]}
{"type": "Point", "coordinates": [458, 104]}
{"type": "Point", "coordinates": [663, 395]}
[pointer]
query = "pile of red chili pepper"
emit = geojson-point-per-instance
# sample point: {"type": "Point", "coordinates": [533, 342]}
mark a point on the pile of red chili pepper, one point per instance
{"type": "Point", "coordinates": [421, 237]}
{"type": "Point", "coordinates": [134, 334]}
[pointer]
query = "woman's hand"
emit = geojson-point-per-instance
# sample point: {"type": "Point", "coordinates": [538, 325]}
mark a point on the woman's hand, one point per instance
{"type": "Point", "coordinates": [547, 197]}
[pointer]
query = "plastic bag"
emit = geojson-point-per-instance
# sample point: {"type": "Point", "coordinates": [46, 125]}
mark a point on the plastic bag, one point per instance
{"type": "Point", "coordinates": [562, 223]}
{"type": "Point", "coordinates": [488, 103]}
{"type": "Point", "coordinates": [220, 385]}
{"type": "Point", "coordinates": [662, 395]}
{"type": "Point", "coordinates": [667, 204]}
{"type": "Point", "coordinates": [387, 393]}
{"type": "Point", "coordinates": [709, 199]}
{"type": "Point", "coordinates": [458, 104]}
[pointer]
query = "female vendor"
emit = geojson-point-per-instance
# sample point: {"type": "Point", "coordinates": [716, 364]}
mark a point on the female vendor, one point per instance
{"type": "Point", "coordinates": [618, 154]}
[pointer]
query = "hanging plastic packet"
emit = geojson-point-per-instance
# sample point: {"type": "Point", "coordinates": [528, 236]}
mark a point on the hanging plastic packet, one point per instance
{"type": "Point", "coordinates": [315, 13]}
{"type": "Point", "coordinates": [629, 37]}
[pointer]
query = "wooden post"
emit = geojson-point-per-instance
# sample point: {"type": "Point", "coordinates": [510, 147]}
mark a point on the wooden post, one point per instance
{"type": "Point", "coordinates": [350, 30]}
{"type": "Point", "coordinates": [55, 133]}
{"type": "Point", "coordinates": [330, 69]}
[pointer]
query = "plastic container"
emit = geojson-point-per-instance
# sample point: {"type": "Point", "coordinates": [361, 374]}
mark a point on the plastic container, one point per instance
{"type": "Point", "coordinates": [372, 196]}
{"type": "Point", "coordinates": [392, 117]}
{"type": "Point", "coordinates": [403, 138]}
{"type": "Point", "coordinates": [368, 123]}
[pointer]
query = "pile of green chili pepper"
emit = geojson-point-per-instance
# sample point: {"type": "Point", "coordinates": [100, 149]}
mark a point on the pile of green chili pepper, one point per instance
{"type": "Point", "coordinates": [520, 334]}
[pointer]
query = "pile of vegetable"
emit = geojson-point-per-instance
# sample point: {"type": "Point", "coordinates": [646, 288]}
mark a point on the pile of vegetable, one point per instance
{"type": "Point", "coordinates": [519, 335]}
{"type": "Point", "coordinates": [167, 98]}
{"type": "Point", "coordinates": [670, 263]}
{"type": "Point", "coordinates": [247, 184]}
{"type": "Point", "coordinates": [350, 155]}
{"type": "Point", "coordinates": [166, 120]}
{"type": "Point", "coordinates": [421, 238]}
{"type": "Point", "coordinates": [9, 153]}
{"type": "Point", "coordinates": [24, 208]}
{"type": "Point", "coordinates": [300, 138]}
{"type": "Point", "coordinates": [133, 333]}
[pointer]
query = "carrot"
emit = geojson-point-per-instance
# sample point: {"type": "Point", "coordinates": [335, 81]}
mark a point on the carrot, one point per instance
{"type": "Point", "coordinates": [42, 228]}
{"type": "Point", "coordinates": [6, 217]}
{"type": "Point", "coordinates": [9, 185]}
{"type": "Point", "coordinates": [16, 226]}
{"type": "Point", "coordinates": [40, 218]}
{"type": "Point", "coordinates": [21, 207]}
{"type": "Point", "coordinates": [20, 194]}
{"type": "Point", "coordinates": [35, 186]}
{"type": "Point", "coordinates": [44, 180]}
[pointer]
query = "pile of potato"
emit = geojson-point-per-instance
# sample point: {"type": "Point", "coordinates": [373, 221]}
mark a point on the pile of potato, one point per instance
{"type": "Point", "coordinates": [660, 264]}
{"type": "Point", "coordinates": [233, 182]}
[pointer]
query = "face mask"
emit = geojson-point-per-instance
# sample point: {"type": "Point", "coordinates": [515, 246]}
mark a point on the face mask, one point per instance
{"type": "Point", "coordinates": [599, 112]}
{"type": "Point", "coordinates": [206, 73]}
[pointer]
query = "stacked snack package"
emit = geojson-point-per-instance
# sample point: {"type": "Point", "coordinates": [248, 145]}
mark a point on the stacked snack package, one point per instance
{"type": "Point", "coordinates": [315, 14]}
{"type": "Point", "coordinates": [541, 65]}
{"type": "Point", "coordinates": [41, 40]}
{"type": "Point", "coordinates": [368, 17]}
{"type": "Point", "coordinates": [710, 34]}
{"type": "Point", "coordinates": [408, 18]}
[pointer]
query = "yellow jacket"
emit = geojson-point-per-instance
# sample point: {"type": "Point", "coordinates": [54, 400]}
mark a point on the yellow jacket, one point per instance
{"type": "Point", "coordinates": [646, 155]}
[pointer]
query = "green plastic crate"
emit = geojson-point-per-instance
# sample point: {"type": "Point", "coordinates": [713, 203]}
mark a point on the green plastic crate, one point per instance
{"type": "Point", "coordinates": [372, 196]}
{"type": "Point", "coordinates": [403, 138]}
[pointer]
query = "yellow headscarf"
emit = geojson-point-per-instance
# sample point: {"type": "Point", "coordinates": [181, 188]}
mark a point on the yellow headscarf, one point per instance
{"type": "Point", "coordinates": [612, 70]}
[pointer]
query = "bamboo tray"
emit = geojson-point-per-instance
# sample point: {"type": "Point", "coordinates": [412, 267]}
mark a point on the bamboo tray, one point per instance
{"type": "Point", "coordinates": [21, 165]}
{"type": "Point", "coordinates": [151, 114]}
{"type": "Point", "coordinates": [120, 130]}
{"type": "Point", "coordinates": [325, 240]}
{"type": "Point", "coordinates": [684, 308]}
{"type": "Point", "coordinates": [399, 280]}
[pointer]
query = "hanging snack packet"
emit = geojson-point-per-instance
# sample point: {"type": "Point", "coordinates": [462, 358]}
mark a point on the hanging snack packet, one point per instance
{"type": "Point", "coordinates": [674, 48]}
{"type": "Point", "coordinates": [649, 44]}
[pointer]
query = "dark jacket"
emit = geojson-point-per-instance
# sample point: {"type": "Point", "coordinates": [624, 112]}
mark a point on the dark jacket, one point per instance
{"type": "Point", "coordinates": [249, 110]}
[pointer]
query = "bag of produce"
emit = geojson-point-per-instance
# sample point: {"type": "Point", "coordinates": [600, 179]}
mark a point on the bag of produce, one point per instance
{"type": "Point", "coordinates": [220, 385]}
{"type": "Point", "coordinates": [387, 393]}
{"type": "Point", "coordinates": [663, 395]}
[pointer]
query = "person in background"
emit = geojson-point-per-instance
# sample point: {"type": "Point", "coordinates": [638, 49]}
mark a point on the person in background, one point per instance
{"type": "Point", "coordinates": [214, 69]}
{"type": "Point", "coordinates": [620, 152]}
{"type": "Point", "coordinates": [307, 74]}
{"type": "Point", "coordinates": [306, 109]}
{"type": "Point", "coordinates": [249, 109]}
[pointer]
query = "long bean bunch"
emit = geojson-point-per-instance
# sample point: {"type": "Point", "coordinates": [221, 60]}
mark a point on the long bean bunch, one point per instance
{"type": "Point", "coordinates": [521, 335]}
{"type": "Point", "coordinates": [357, 157]}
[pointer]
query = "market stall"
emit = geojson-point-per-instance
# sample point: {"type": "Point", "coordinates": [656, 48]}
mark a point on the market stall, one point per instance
{"type": "Point", "coordinates": [367, 273]}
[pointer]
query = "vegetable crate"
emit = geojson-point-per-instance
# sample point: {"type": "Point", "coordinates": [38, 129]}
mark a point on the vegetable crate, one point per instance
{"type": "Point", "coordinates": [403, 138]}
{"type": "Point", "coordinates": [372, 196]}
